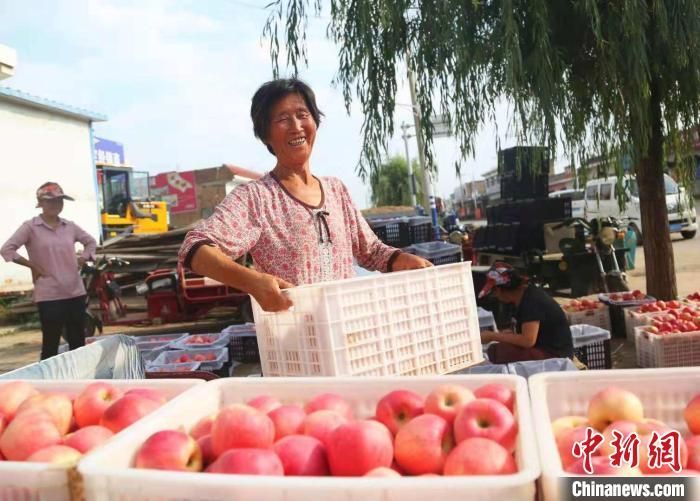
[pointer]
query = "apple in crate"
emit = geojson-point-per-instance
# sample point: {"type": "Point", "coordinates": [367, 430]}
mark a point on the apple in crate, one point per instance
{"type": "Point", "coordinates": [148, 393]}
{"type": "Point", "coordinates": [566, 423]}
{"type": "Point", "coordinates": [663, 469]}
{"type": "Point", "coordinates": [691, 414]}
{"type": "Point", "coordinates": [497, 392]}
{"type": "Point", "coordinates": [320, 424]}
{"type": "Point", "coordinates": [207, 447]}
{"type": "Point", "coordinates": [56, 454]}
{"type": "Point", "coordinates": [357, 447]}
{"type": "Point", "coordinates": [601, 466]}
{"type": "Point", "coordinates": [614, 404]}
{"type": "Point", "coordinates": [126, 411]}
{"type": "Point", "coordinates": [486, 418]}
{"type": "Point", "coordinates": [397, 408]}
{"type": "Point", "coordinates": [422, 445]}
{"type": "Point", "coordinates": [331, 402]}
{"type": "Point", "coordinates": [12, 395]}
{"type": "Point", "coordinates": [693, 444]}
{"type": "Point", "coordinates": [479, 456]}
{"type": "Point", "coordinates": [86, 439]}
{"type": "Point", "coordinates": [170, 450]}
{"type": "Point", "coordinates": [91, 403]}
{"type": "Point", "coordinates": [565, 444]}
{"type": "Point", "coordinates": [264, 403]}
{"type": "Point", "coordinates": [28, 433]}
{"type": "Point", "coordinates": [382, 471]}
{"type": "Point", "coordinates": [288, 420]}
{"type": "Point", "coordinates": [202, 427]}
{"type": "Point", "coordinates": [248, 462]}
{"type": "Point", "coordinates": [58, 406]}
{"type": "Point", "coordinates": [302, 456]}
{"type": "Point", "coordinates": [447, 400]}
{"type": "Point", "coordinates": [643, 429]}
{"type": "Point", "coordinates": [241, 426]}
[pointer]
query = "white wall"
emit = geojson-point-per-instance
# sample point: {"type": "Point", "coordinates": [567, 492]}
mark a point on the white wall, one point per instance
{"type": "Point", "coordinates": [36, 147]}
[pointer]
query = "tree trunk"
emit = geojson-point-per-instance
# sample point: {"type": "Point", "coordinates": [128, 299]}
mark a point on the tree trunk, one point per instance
{"type": "Point", "coordinates": [658, 251]}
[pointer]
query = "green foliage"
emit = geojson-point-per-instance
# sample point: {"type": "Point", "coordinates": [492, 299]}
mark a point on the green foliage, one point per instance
{"type": "Point", "coordinates": [389, 183]}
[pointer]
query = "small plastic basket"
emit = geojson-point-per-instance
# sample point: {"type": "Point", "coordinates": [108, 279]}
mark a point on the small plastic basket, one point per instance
{"type": "Point", "coordinates": [211, 340]}
{"type": "Point", "coordinates": [147, 343]}
{"type": "Point", "coordinates": [220, 355]}
{"type": "Point", "coordinates": [184, 367]}
{"type": "Point", "coordinates": [437, 252]}
{"type": "Point", "coordinates": [592, 346]}
{"type": "Point", "coordinates": [667, 350]}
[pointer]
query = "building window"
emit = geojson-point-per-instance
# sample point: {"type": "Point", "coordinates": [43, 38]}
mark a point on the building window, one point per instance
{"type": "Point", "coordinates": [592, 192]}
{"type": "Point", "coordinates": [606, 191]}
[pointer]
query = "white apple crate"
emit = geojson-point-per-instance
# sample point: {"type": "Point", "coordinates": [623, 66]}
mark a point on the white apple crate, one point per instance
{"type": "Point", "coordinates": [107, 474]}
{"type": "Point", "coordinates": [664, 394]}
{"type": "Point", "coordinates": [22, 481]}
{"type": "Point", "coordinates": [600, 317]}
{"type": "Point", "coordinates": [667, 350]}
{"type": "Point", "coordinates": [419, 322]}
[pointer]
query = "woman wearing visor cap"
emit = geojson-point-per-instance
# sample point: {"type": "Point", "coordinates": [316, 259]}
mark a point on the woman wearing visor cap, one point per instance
{"type": "Point", "coordinates": [58, 289]}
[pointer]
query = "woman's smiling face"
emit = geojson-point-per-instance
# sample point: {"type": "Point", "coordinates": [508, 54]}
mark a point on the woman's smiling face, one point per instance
{"type": "Point", "coordinates": [292, 130]}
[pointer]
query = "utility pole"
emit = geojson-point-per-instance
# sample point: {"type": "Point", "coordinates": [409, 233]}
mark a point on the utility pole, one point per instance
{"type": "Point", "coordinates": [427, 178]}
{"type": "Point", "coordinates": [411, 184]}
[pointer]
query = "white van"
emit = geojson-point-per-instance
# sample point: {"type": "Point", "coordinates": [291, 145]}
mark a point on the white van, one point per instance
{"type": "Point", "coordinates": [577, 202]}
{"type": "Point", "coordinates": [601, 201]}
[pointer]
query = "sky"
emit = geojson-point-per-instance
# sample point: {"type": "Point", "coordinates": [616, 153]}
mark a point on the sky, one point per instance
{"type": "Point", "coordinates": [175, 78]}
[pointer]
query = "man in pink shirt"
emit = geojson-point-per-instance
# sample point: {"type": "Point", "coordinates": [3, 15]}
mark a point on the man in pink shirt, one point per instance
{"type": "Point", "coordinates": [59, 292]}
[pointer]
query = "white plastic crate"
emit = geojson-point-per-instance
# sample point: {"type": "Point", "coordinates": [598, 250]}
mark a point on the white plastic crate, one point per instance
{"type": "Point", "coordinates": [419, 322]}
{"type": "Point", "coordinates": [667, 350]}
{"type": "Point", "coordinates": [663, 392]}
{"type": "Point", "coordinates": [40, 481]}
{"type": "Point", "coordinates": [107, 474]}
{"type": "Point", "coordinates": [219, 340]}
{"type": "Point", "coordinates": [592, 346]}
{"type": "Point", "coordinates": [634, 319]}
{"type": "Point", "coordinates": [173, 356]}
{"type": "Point", "coordinates": [600, 317]}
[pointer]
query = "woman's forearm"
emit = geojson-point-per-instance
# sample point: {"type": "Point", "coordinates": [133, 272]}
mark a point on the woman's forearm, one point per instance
{"type": "Point", "coordinates": [515, 339]}
{"type": "Point", "coordinates": [210, 262]}
{"type": "Point", "coordinates": [22, 261]}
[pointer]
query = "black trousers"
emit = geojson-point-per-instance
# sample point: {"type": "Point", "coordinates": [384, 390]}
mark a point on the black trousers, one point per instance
{"type": "Point", "coordinates": [63, 317]}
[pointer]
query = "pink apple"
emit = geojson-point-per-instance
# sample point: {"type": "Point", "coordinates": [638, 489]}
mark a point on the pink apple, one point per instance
{"type": "Point", "coordinates": [614, 404]}
{"type": "Point", "coordinates": [382, 471]}
{"type": "Point", "coordinates": [565, 444]}
{"type": "Point", "coordinates": [601, 466]}
{"type": "Point", "coordinates": [486, 418]}
{"type": "Point", "coordinates": [86, 439]}
{"type": "Point", "coordinates": [447, 400]}
{"type": "Point", "coordinates": [202, 427]}
{"type": "Point", "coordinates": [240, 426]}
{"type": "Point", "coordinates": [691, 415]}
{"type": "Point", "coordinates": [207, 447]}
{"type": "Point", "coordinates": [56, 454]}
{"type": "Point", "coordinates": [288, 420]}
{"type": "Point", "coordinates": [497, 392]}
{"type": "Point", "coordinates": [566, 423]}
{"type": "Point", "coordinates": [55, 404]}
{"type": "Point", "coordinates": [331, 402]}
{"type": "Point", "coordinates": [264, 403]}
{"type": "Point", "coordinates": [91, 403]}
{"type": "Point", "coordinates": [28, 433]}
{"type": "Point", "coordinates": [12, 395]}
{"type": "Point", "coordinates": [422, 444]}
{"type": "Point", "coordinates": [3, 423]}
{"type": "Point", "coordinates": [154, 395]}
{"type": "Point", "coordinates": [302, 456]}
{"type": "Point", "coordinates": [644, 467]}
{"type": "Point", "coordinates": [126, 411]}
{"type": "Point", "coordinates": [397, 408]}
{"type": "Point", "coordinates": [170, 450]}
{"type": "Point", "coordinates": [320, 424]}
{"type": "Point", "coordinates": [693, 444]}
{"type": "Point", "coordinates": [357, 447]}
{"type": "Point", "coordinates": [479, 456]}
{"type": "Point", "coordinates": [248, 462]}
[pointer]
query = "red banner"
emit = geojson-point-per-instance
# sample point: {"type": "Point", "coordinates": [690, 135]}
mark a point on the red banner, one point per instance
{"type": "Point", "coordinates": [176, 188]}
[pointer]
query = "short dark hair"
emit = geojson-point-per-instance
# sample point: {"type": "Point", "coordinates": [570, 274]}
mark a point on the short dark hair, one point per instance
{"type": "Point", "coordinates": [269, 93]}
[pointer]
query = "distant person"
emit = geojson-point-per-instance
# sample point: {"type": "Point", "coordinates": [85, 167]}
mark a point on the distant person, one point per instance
{"type": "Point", "coordinates": [59, 292]}
{"type": "Point", "coordinates": [541, 330]}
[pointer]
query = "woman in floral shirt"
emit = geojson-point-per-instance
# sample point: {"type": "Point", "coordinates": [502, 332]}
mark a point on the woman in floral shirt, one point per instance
{"type": "Point", "coordinates": [298, 228]}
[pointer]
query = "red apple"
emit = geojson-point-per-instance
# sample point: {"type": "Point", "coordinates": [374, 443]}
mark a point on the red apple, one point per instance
{"type": "Point", "coordinates": [154, 395]}
{"type": "Point", "coordinates": [28, 433]}
{"type": "Point", "coordinates": [447, 400]}
{"type": "Point", "coordinates": [207, 447]}
{"type": "Point", "coordinates": [358, 447]}
{"type": "Point", "coordinates": [644, 466]}
{"type": "Point", "coordinates": [497, 392]}
{"type": "Point", "coordinates": [302, 456]}
{"type": "Point", "coordinates": [691, 414]}
{"type": "Point", "coordinates": [56, 454]}
{"type": "Point", "coordinates": [91, 403]}
{"type": "Point", "coordinates": [202, 427]}
{"type": "Point", "coordinates": [625, 428]}
{"type": "Point", "coordinates": [331, 402]}
{"type": "Point", "coordinates": [248, 462]}
{"type": "Point", "coordinates": [479, 456]}
{"type": "Point", "coordinates": [422, 444]}
{"type": "Point", "coordinates": [58, 406]}
{"type": "Point", "coordinates": [12, 395]}
{"type": "Point", "coordinates": [614, 404]}
{"type": "Point", "coordinates": [320, 424]}
{"type": "Point", "coordinates": [486, 418]}
{"type": "Point", "coordinates": [126, 411]}
{"type": "Point", "coordinates": [288, 420]}
{"type": "Point", "coordinates": [693, 444]}
{"type": "Point", "coordinates": [86, 439]}
{"type": "Point", "coordinates": [565, 445]}
{"type": "Point", "coordinates": [566, 423]}
{"type": "Point", "coordinates": [169, 450]}
{"type": "Point", "coordinates": [382, 471]}
{"type": "Point", "coordinates": [240, 426]}
{"type": "Point", "coordinates": [397, 408]}
{"type": "Point", "coordinates": [264, 403]}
